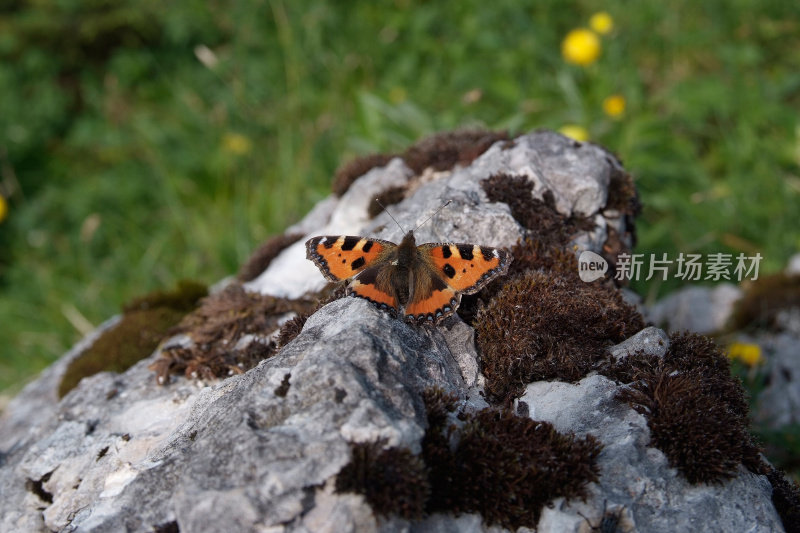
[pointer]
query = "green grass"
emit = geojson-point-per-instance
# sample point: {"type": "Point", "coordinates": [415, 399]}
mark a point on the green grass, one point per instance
{"type": "Point", "coordinates": [116, 142]}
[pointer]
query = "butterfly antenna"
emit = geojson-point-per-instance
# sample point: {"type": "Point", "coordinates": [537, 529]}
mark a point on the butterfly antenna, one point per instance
{"type": "Point", "coordinates": [434, 213]}
{"type": "Point", "coordinates": [390, 215]}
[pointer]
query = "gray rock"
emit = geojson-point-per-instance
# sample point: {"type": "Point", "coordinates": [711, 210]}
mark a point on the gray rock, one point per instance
{"type": "Point", "coordinates": [703, 310]}
{"type": "Point", "coordinates": [637, 479]}
{"type": "Point", "coordinates": [576, 173]}
{"type": "Point", "coordinates": [39, 397]}
{"type": "Point", "coordinates": [233, 456]}
{"type": "Point", "coordinates": [778, 405]}
{"type": "Point", "coordinates": [120, 453]}
{"type": "Point", "coordinates": [651, 341]}
{"type": "Point", "coordinates": [632, 298]}
{"type": "Point", "coordinates": [788, 320]}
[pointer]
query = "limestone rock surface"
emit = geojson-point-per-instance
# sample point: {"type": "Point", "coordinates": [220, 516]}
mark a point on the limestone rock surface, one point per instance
{"type": "Point", "coordinates": [260, 451]}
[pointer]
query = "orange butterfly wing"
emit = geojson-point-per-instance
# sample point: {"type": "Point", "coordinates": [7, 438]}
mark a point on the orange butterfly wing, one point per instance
{"type": "Point", "coordinates": [450, 270]}
{"type": "Point", "coordinates": [374, 284]}
{"type": "Point", "coordinates": [436, 306]}
{"type": "Point", "coordinates": [467, 268]}
{"type": "Point", "coordinates": [342, 257]}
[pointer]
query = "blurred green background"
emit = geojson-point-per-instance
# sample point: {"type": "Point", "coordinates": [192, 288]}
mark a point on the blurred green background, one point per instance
{"type": "Point", "coordinates": [144, 142]}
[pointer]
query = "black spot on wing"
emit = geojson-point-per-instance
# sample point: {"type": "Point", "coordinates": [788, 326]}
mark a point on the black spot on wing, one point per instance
{"type": "Point", "coordinates": [465, 251]}
{"type": "Point", "coordinates": [350, 243]}
{"type": "Point", "coordinates": [358, 263]}
{"type": "Point", "coordinates": [446, 253]}
{"type": "Point", "coordinates": [449, 271]}
{"type": "Point", "coordinates": [328, 242]}
{"type": "Point", "coordinates": [367, 246]}
{"type": "Point", "coordinates": [488, 253]}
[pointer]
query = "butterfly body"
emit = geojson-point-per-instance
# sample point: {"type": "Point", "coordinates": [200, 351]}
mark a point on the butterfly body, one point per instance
{"type": "Point", "coordinates": [424, 282]}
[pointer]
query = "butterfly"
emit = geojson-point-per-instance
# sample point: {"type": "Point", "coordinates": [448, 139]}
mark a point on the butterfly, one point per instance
{"type": "Point", "coordinates": [424, 282]}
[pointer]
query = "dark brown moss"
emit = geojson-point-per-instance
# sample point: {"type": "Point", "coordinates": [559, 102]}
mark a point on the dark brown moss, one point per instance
{"type": "Point", "coordinates": [503, 466]}
{"type": "Point", "coordinates": [291, 329]}
{"type": "Point", "coordinates": [438, 405]}
{"type": "Point", "coordinates": [436, 448]}
{"type": "Point", "coordinates": [393, 480]}
{"type": "Point", "coordinates": [217, 326]}
{"type": "Point", "coordinates": [764, 299]}
{"type": "Point", "coordinates": [696, 410]}
{"type": "Point", "coordinates": [542, 326]}
{"type": "Point", "coordinates": [622, 193]}
{"type": "Point", "coordinates": [283, 389]}
{"type": "Point", "coordinates": [210, 363]}
{"type": "Point", "coordinates": [533, 254]}
{"type": "Point", "coordinates": [390, 196]}
{"type": "Point", "coordinates": [697, 432]}
{"type": "Point", "coordinates": [786, 499]}
{"type": "Point", "coordinates": [233, 312]}
{"type": "Point", "coordinates": [538, 216]}
{"type": "Point", "coordinates": [263, 256]}
{"type": "Point", "coordinates": [688, 352]}
{"type": "Point", "coordinates": [144, 324]}
{"type": "Point", "coordinates": [167, 527]}
{"type": "Point", "coordinates": [529, 254]}
{"type": "Point", "coordinates": [693, 352]}
{"type": "Point", "coordinates": [354, 169]}
{"type": "Point", "coordinates": [549, 229]}
{"type": "Point", "coordinates": [443, 151]}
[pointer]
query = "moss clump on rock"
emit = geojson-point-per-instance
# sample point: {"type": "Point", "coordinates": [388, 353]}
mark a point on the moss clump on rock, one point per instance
{"type": "Point", "coordinates": [217, 326]}
{"type": "Point", "coordinates": [443, 151]}
{"type": "Point", "coordinates": [492, 462]}
{"type": "Point", "coordinates": [291, 329]}
{"type": "Point", "coordinates": [542, 326]}
{"type": "Point", "coordinates": [529, 254]}
{"type": "Point", "coordinates": [622, 193]}
{"type": "Point", "coordinates": [391, 196]}
{"type": "Point", "coordinates": [505, 467]}
{"type": "Point", "coordinates": [144, 324]}
{"type": "Point", "coordinates": [393, 480]}
{"type": "Point", "coordinates": [786, 498]}
{"type": "Point", "coordinates": [540, 217]}
{"type": "Point", "coordinates": [696, 411]}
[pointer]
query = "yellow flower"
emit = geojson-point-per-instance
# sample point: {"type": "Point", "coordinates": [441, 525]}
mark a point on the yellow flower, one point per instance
{"type": "Point", "coordinates": [749, 354]}
{"type": "Point", "coordinates": [614, 105]}
{"type": "Point", "coordinates": [3, 208]}
{"type": "Point", "coordinates": [236, 143]}
{"type": "Point", "coordinates": [602, 23]}
{"type": "Point", "coordinates": [581, 47]}
{"type": "Point", "coordinates": [573, 131]}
